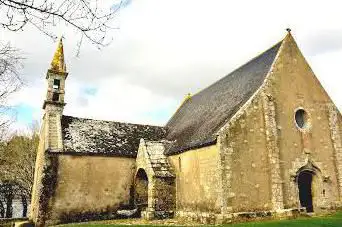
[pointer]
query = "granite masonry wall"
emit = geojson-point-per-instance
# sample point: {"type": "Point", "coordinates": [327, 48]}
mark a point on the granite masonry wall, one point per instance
{"type": "Point", "coordinates": [198, 182]}
{"type": "Point", "coordinates": [263, 150]}
{"type": "Point", "coordinates": [89, 187]}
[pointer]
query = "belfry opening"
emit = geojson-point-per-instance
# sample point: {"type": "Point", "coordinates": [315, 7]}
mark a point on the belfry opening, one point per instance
{"type": "Point", "coordinates": [305, 189]}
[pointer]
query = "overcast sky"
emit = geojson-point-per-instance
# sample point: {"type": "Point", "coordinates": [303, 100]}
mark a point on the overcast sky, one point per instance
{"type": "Point", "coordinates": [165, 49]}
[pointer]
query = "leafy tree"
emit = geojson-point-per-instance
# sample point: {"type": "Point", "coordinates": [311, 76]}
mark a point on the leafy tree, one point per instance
{"type": "Point", "coordinates": [8, 192]}
{"type": "Point", "coordinates": [17, 162]}
{"type": "Point", "coordinates": [7, 196]}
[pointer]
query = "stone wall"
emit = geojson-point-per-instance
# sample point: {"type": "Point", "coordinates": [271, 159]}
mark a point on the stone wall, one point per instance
{"type": "Point", "coordinates": [50, 137]}
{"type": "Point", "coordinates": [37, 186]}
{"type": "Point", "coordinates": [165, 189]}
{"type": "Point", "coordinates": [246, 170]}
{"type": "Point", "coordinates": [198, 182]}
{"type": "Point", "coordinates": [91, 186]}
{"type": "Point", "coordinates": [263, 149]}
{"type": "Point", "coordinates": [292, 85]}
{"type": "Point", "coordinates": [336, 138]}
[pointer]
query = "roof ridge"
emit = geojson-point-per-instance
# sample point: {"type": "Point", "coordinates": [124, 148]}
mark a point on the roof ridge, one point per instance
{"type": "Point", "coordinates": [200, 117]}
{"type": "Point", "coordinates": [281, 44]}
{"type": "Point", "coordinates": [231, 72]}
{"type": "Point", "coordinates": [241, 66]}
{"type": "Point", "coordinates": [83, 118]}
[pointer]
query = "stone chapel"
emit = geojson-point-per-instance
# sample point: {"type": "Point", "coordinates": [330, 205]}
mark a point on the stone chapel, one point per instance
{"type": "Point", "coordinates": [265, 139]}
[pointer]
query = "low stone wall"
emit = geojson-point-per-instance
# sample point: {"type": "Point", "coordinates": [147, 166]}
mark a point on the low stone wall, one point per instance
{"type": "Point", "coordinates": [204, 217]}
{"type": "Point", "coordinates": [212, 218]}
{"type": "Point", "coordinates": [280, 214]}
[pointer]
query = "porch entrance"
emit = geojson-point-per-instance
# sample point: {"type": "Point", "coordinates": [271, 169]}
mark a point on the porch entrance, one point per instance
{"type": "Point", "coordinates": [141, 190]}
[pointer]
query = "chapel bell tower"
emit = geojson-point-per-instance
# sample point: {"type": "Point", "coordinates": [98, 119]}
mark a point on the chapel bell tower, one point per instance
{"type": "Point", "coordinates": [50, 136]}
{"type": "Point", "coordinates": [54, 102]}
{"type": "Point", "coordinates": [55, 77]}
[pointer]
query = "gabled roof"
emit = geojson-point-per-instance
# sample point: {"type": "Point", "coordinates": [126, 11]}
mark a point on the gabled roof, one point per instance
{"type": "Point", "coordinates": [201, 116]}
{"type": "Point", "coordinates": [155, 154]}
{"type": "Point", "coordinates": [86, 136]}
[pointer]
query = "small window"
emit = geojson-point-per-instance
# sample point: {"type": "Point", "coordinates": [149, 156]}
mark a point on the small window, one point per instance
{"type": "Point", "coordinates": [56, 83]}
{"type": "Point", "coordinates": [301, 118]}
{"type": "Point", "coordinates": [55, 97]}
{"type": "Point", "coordinates": [180, 164]}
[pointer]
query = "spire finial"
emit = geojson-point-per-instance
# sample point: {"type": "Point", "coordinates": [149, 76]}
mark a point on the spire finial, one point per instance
{"type": "Point", "coordinates": [58, 63]}
{"type": "Point", "coordinates": [188, 96]}
{"type": "Point", "coordinates": [288, 30]}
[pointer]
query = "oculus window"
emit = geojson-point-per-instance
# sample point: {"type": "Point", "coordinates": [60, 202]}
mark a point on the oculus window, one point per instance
{"type": "Point", "coordinates": [301, 118]}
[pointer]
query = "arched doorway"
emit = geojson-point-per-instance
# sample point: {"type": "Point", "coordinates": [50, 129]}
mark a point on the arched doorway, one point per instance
{"type": "Point", "coordinates": [305, 189]}
{"type": "Point", "coordinates": [141, 190]}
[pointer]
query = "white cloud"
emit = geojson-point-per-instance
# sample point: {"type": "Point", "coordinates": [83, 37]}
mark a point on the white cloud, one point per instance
{"type": "Point", "coordinates": [119, 100]}
{"type": "Point", "coordinates": [165, 49]}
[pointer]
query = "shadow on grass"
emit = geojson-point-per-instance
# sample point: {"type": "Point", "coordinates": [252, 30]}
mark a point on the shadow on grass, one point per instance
{"type": "Point", "coordinates": [334, 220]}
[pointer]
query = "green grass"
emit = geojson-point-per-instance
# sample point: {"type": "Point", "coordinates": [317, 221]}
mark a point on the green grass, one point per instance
{"type": "Point", "coordinates": [334, 220]}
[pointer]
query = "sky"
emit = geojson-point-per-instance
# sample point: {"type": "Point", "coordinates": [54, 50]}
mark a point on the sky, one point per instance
{"type": "Point", "coordinates": [164, 49]}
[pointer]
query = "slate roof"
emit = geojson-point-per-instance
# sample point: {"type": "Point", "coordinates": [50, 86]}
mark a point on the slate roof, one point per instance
{"type": "Point", "coordinates": [200, 117]}
{"type": "Point", "coordinates": [193, 125]}
{"type": "Point", "coordinates": [159, 163]}
{"type": "Point", "coordinates": [86, 136]}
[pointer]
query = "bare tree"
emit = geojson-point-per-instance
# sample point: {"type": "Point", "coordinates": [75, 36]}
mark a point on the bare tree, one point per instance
{"type": "Point", "coordinates": [89, 17]}
{"type": "Point", "coordinates": [10, 82]}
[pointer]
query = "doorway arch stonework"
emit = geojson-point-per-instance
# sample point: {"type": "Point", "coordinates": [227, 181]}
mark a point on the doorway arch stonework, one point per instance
{"type": "Point", "coordinates": [321, 194]}
{"type": "Point", "coordinates": [305, 187]}
{"type": "Point", "coordinates": [161, 180]}
{"type": "Point", "coordinates": [141, 190]}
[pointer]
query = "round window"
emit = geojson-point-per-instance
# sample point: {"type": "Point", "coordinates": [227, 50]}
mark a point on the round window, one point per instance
{"type": "Point", "coordinates": [301, 118]}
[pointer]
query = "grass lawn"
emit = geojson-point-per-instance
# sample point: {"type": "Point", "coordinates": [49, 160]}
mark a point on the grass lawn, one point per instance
{"type": "Point", "coordinates": [334, 220]}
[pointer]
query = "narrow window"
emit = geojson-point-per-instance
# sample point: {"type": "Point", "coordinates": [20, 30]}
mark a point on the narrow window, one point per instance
{"type": "Point", "coordinates": [55, 97]}
{"type": "Point", "coordinates": [180, 164]}
{"type": "Point", "coordinates": [56, 84]}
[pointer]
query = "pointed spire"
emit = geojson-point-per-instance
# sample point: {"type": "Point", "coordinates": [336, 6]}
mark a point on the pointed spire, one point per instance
{"type": "Point", "coordinates": [58, 63]}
